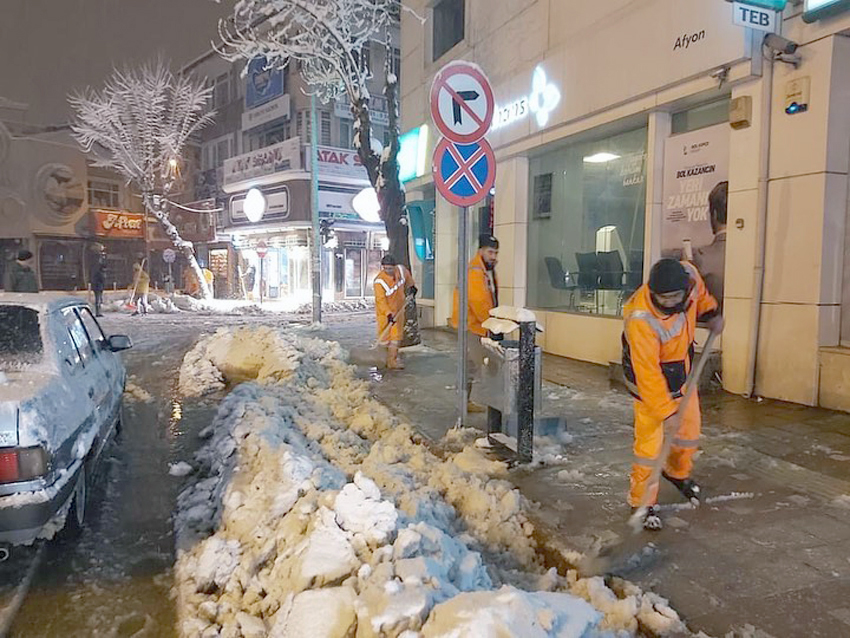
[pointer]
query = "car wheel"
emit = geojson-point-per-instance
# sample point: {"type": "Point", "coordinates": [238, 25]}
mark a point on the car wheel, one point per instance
{"type": "Point", "coordinates": [77, 513]}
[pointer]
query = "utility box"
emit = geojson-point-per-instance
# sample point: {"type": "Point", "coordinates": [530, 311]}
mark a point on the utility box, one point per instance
{"type": "Point", "coordinates": [497, 385]}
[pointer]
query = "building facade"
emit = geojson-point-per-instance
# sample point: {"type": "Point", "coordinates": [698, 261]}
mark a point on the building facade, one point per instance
{"type": "Point", "coordinates": [616, 122]}
{"type": "Point", "coordinates": [261, 139]}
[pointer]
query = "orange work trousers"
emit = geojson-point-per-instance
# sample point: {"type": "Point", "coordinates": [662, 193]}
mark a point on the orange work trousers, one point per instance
{"type": "Point", "coordinates": [649, 440]}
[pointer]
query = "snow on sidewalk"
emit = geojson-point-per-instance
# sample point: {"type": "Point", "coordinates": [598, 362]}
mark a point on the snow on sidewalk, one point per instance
{"type": "Point", "coordinates": [316, 513]}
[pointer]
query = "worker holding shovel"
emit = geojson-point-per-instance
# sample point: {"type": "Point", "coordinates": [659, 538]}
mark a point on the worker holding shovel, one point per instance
{"type": "Point", "coordinates": [392, 285]}
{"type": "Point", "coordinates": [658, 355]}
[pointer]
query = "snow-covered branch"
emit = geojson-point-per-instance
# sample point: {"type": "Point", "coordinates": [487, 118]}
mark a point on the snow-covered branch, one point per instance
{"type": "Point", "coordinates": [138, 125]}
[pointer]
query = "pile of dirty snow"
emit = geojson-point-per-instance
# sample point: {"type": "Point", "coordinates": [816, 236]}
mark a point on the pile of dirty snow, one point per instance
{"type": "Point", "coordinates": [261, 354]}
{"type": "Point", "coordinates": [314, 512]}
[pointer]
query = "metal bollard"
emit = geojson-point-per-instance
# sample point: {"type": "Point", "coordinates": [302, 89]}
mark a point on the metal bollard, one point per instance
{"type": "Point", "coordinates": [525, 392]}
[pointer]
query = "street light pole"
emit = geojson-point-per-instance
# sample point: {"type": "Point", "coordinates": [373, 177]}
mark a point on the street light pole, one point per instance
{"type": "Point", "coordinates": [316, 254]}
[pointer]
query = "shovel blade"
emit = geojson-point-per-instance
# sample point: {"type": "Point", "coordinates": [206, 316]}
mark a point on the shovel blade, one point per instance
{"type": "Point", "coordinates": [367, 356]}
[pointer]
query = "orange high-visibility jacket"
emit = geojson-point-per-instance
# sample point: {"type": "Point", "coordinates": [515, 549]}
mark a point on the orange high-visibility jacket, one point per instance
{"type": "Point", "coordinates": [658, 349]}
{"type": "Point", "coordinates": [482, 299]}
{"type": "Point", "coordinates": [389, 294]}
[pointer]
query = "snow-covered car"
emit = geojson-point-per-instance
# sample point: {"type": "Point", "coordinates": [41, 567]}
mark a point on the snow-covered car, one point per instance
{"type": "Point", "coordinates": [61, 387]}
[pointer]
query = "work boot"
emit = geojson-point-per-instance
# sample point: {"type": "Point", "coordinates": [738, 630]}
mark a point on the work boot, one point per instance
{"type": "Point", "coordinates": [688, 487]}
{"type": "Point", "coordinates": [652, 518]}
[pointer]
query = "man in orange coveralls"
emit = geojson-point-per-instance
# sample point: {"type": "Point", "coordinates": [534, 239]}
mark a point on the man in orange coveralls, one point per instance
{"type": "Point", "coordinates": [483, 291]}
{"type": "Point", "coordinates": [658, 351]}
{"type": "Point", "coordinates": [391, 287]}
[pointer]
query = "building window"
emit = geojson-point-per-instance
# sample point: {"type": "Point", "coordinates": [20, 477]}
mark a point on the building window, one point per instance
{"type": "Point", "coordinates": [276, 134]}
{"type": "Point", "coordinates": [449, 21]}
{"type": "Point", "coordinates": [215, 152]}
{"type": "Point", "coordinates": [104, 194]}
{"type": "Point", "coordinates": [221, 91]}
{"type": "Point", "coordinates": [396, 64]}
{"type": "Point", "coordinates": [302, 124]}
{"type": "Point", "coordinates": [586, 232]}
{"type": "Point", "coordinates": [346, 138]}
{"type": "Point", "coordinates": [366, 58]}
{"type": "Point", "coordinates": [325, 132]}
{"type": "Point", "coordinates": [701, 116]}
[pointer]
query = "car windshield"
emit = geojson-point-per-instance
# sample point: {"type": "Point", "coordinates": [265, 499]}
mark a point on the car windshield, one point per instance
{"type": "Point", "coordinates": [20, 338]}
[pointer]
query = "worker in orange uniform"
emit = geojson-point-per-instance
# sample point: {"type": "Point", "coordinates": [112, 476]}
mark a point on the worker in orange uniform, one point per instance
{"type": "Point", "coordinates": [392, 285]}
{"type": "Point", "coordinates": [483, 292]}
{"type": "Point", "coordinates": [658, 350]}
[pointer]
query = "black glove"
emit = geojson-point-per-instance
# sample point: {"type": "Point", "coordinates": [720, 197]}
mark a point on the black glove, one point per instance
{"type": "Point", "coordinates": [413, 290]}
{"type": "Point", "coordinates": [390, 318]}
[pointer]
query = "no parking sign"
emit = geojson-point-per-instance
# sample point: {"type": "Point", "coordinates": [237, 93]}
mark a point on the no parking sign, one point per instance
{"type": "Point", "coordinates": [464, 173]}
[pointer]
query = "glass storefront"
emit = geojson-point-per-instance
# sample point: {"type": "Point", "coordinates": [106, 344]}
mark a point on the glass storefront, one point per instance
{"type": "Point", "coordinates": [587, 204]}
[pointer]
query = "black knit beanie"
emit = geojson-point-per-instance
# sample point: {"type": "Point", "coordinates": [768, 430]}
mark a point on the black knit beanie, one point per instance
{"type": "Point", "coordinates": [668, 275]}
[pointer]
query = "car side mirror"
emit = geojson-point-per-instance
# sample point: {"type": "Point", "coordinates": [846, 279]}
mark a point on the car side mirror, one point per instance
{"type": "Point", "coordinates": [117, 343]}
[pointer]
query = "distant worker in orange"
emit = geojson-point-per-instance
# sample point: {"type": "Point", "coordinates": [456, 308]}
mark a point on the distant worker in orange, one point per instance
{"type": "Point", "coordinates": [483, 291]}
{"type": "Point", "coordinates": [392, 285]}
{"type": "Point", "coordinates": [658, 350]}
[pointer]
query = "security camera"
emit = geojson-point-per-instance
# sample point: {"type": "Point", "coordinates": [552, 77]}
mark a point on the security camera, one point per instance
{"type": "Point", "coordinates": [779, 44]}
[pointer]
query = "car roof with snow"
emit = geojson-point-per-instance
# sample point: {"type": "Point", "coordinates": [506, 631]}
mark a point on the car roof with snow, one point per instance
{"type": "Point", "coordinates": [42, 302]}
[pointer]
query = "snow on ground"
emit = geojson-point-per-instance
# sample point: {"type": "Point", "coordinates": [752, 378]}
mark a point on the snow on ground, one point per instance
{"type": "Point", "coordinates": [133, 392]}
{"type": "Point", "coordinates": [316, 513]}
{"type": "Point", "coordinates": [163, 303]}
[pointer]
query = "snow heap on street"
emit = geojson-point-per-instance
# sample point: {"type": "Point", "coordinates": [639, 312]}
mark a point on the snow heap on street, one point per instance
{"type": "Point", "coordinates": [314, 512]}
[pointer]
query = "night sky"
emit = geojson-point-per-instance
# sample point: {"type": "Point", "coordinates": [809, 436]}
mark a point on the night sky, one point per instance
{"type": "Point", "coordinates": [49, 48]}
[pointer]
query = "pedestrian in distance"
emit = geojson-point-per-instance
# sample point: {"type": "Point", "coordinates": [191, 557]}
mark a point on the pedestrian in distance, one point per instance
{"type": "Point", "coordinates": [141, 287]}
{"type": "Point", "coordinates": [392, 286]}
{"type": "Point", "coordinates": [20, 276]}
{"type": "Point", "coordinates": [97, 279]}
{"type": "Point", "coordinates": [660, 323]}
{"type": "Point", "coordinates": [483, 294]}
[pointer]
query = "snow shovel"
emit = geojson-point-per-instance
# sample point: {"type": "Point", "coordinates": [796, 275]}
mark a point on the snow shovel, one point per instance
{"type": "Point", "coordinates": [617, 555]}
{"type": "Point", "coordinates": [130, 304]}
{"type": "Point", "coordinates": [375, 355]}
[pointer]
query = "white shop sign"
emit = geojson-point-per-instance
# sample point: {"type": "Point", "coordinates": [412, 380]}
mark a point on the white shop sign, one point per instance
{"type": "Point", "coordinates": [277, 206]}
{"type": "Point", "coordinates": [746, 15]}
{"type": "Point", "coordinates": [278, 158]}
{"type": "Point", "coordinates": [276, 109]}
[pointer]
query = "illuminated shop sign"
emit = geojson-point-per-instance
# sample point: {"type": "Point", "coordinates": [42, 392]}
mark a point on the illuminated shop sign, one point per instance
{"type": "Point", "coordinates": [413, 154]}
{"type": "Point", "coordinates": [543, 99]}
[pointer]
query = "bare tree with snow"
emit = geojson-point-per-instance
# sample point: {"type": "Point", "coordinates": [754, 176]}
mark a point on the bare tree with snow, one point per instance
{"type": "Point", "coordinates": [138, 125]}
{"type": "Point", "coordinates": [326, 39]}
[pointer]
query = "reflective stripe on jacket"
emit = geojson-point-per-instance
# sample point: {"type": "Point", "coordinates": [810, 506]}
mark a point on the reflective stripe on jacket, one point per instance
{"type": "Point", "coordinates": [389, 291]}
{"type": "Point", "coordinates": [482, 297]}
{"type": "Point", "coordinates": [658, 349]}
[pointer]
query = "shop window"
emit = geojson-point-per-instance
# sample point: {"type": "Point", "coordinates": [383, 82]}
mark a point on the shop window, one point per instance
{"type": "Point", "coordinates": [325, 132]}
{"type": "Point", "coordinates": [702, 116]}
{"type": "Point", "coordinates": [61, 265]}
{"type": "Point", "coordinates": [448, 25]}
{"type": "Point", "coordinates": [586, 233]}
{"type": "Point", "coordinates": [104, 194]}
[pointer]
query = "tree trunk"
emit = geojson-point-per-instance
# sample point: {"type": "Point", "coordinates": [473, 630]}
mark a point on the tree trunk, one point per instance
{"type": "Point", "coordinates": [154, 205]}
{"type": "Point", "coordinates": [383, 174]}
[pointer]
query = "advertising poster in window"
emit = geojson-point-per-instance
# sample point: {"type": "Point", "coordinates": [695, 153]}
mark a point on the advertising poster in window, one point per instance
{"type": "Point", "coordinates": [696, 172]}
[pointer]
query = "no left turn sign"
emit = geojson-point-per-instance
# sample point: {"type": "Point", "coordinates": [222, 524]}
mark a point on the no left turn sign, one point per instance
{"type": "Point", "coordinates": [462, 103]}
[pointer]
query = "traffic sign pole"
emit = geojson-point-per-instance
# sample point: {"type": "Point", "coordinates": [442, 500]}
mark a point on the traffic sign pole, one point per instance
{"type": "Point", "coordinates": [463, 318]}
{"type": "Point", "coordinates": [464, 166]}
